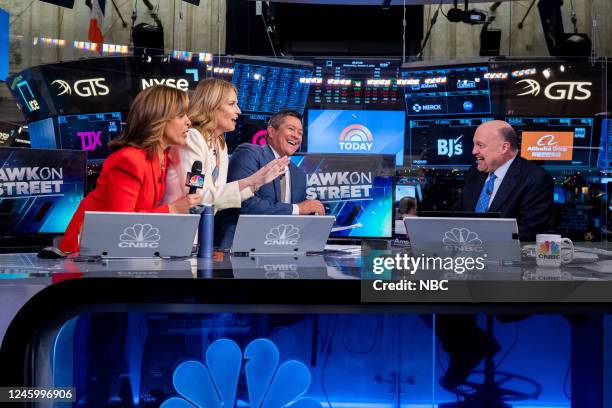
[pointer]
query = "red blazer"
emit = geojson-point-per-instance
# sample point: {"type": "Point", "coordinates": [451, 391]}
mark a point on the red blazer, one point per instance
{"type": "Point", "coordinates": [129, 182]}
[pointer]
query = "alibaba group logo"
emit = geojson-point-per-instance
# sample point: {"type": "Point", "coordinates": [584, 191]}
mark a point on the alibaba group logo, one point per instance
{"type": "Point", "coordinates": [214, 384]}
{"type": "Point", "coordinates": [547, 140]}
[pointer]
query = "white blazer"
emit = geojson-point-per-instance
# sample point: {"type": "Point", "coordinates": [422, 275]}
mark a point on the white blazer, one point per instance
{"type": "Point", "coordinates": [220, 193]}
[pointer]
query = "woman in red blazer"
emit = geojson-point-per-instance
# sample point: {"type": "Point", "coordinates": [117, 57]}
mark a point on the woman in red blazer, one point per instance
{"type": "Point", "coordinates": [133, 176]}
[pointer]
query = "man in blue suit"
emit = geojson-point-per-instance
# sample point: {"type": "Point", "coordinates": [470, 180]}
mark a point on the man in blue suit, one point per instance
{"type": "Point", "coordinates": [286, 195]}
{"type": "Point", "coordinates": [500, 181]}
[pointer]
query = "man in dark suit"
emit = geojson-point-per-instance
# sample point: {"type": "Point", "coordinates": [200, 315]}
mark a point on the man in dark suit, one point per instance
{"type": "Point", "coordinates": [500, 181]}
{"type": "Point", "coordinates": [286, 195]}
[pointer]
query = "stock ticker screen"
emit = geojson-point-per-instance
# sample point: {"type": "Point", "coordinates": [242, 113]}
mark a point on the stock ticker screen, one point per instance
{"type": "Point", "coordinates": [89, 132]}
{"type": "Point", "coordinates": [350, 83]}
{"type": "Point", "coordinates": [443, 142]}
{"type": "Point", "coordinates": [560, 142]}
{"type": "Point", "coordinates": [447, 91]}
{"type": "Point", "coordinates": [269, 89]}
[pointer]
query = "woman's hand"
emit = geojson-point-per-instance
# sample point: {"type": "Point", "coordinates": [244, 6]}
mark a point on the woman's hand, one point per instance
{"type": "Point", "coordinates": [269, 172]}
{"type": "Point", "coordinates": [183, 204]}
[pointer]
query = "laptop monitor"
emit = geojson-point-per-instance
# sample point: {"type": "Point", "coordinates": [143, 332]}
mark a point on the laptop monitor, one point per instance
{"type": "Point", "coordinates": [281, 234]}
{"type": "Point", "coordinates": [494, 239]}
{"type": "Point", "coordinates": [138, 235]}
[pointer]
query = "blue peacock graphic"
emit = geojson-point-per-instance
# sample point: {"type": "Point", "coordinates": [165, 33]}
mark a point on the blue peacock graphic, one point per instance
{"type": "Point", "coordinates": [214, 385]}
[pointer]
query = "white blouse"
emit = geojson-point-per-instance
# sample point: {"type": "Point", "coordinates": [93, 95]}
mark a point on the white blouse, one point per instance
{"type": "Point", "coordinates": [219, 193]}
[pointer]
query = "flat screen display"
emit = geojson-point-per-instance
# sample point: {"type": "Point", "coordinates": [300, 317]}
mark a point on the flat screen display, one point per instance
{"type": "Point", "coordinates": [605, 152]}
{"type": "Point", "coordinates": [39, 189]}
{"type": "Point", "coordinates": [447, 91]}
{"type": "Point", "coordinates": [359, 193]}
{"type": "Point", "coordinates": [89, 132]}
{"type": "Point", "coordinates": [357, 131]}
{"type": "Point", "coordinates": [443, 142]}
{"type": "Point", "coordinates": [556, 141]}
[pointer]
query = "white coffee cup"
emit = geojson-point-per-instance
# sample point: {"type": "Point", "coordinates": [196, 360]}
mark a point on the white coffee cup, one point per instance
{"type": "Point", "coordinates": [552, 250]}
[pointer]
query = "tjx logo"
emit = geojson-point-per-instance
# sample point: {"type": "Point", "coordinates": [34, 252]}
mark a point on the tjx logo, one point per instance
{"type": "Point", "coordinates": [557, 90]}
{"type": "Point", "coordinates": [450, 147]}
{"type": "Point", "coordinates": [89, 140]}
{"type": "Point", "coordinates": [83, 88]}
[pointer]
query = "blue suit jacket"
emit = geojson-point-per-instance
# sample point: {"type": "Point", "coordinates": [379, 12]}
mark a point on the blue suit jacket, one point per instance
{"type": "Point", "coordinates": [526, 193]}
{"type": "Point", "coordinates": [246, 160]}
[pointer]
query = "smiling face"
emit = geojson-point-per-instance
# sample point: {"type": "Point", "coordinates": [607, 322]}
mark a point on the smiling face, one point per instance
{"type": "Point", "coordinates": [287, 138]}
{"type": "Point", "coordinates": [490, 148]}
{"type": "Point", "coordinates": [175, 131]}
{"type": "Point", "coordinates": [227, 113]}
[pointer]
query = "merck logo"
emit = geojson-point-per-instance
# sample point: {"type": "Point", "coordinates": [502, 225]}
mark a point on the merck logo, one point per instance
{"type": "Point", "coordinates": [139, 236]}
{"type": "Point", "coordinates": [89, 140]}
{"type": "Point", "coordinates": [283, 234]}
{"type": "Point", "coordinates": [461, 239]}
{"type": "Point", "coordinates": [214, 382]}
{"type": "Point", "coordinates": [356, 137]}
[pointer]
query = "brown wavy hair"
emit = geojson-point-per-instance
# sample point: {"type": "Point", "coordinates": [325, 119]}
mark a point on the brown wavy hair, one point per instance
{"type": "Point", "coordinates": [206, 99]}
{"type": "Point", "coordinates": [152, 109]}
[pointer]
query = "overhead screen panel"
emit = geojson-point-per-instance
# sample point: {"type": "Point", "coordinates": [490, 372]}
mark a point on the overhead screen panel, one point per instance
{"type": "Point", "coordinates": [353, 131]}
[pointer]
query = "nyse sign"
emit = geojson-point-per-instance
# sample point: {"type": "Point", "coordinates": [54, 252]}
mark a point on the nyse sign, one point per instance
{"type": "Point", "coordinates": [179, 83]}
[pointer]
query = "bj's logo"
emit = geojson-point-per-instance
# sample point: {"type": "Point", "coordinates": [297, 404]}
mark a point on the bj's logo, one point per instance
{"type": "Point", "coordinates": [356, 137]}
{"type": "Point", "coordinates": [450, 147]}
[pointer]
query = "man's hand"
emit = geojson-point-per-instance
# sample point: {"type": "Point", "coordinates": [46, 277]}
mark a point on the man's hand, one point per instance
{"type": "Point", "coordinates": [311, 207]}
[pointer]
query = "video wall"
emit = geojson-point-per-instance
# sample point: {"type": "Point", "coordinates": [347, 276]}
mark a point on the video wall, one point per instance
{"type": "Point", "coordinates": [424, 116]}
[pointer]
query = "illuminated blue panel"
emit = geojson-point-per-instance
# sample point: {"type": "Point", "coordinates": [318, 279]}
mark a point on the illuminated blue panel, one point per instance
{"type": "Point", "coordinates": [357, 131]}
{"type": "Point", "coordinates": [4, 45]}
{"type": "Point", "coordinates": [269, 89]}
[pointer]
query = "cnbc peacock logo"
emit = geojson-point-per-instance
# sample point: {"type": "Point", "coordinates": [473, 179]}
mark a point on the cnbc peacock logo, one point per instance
{"type": "Point", "coordinates": [214, 384]}
{"type": "Point", "coordinates": [356, 138]}
{"type": "Point", "coordinates": [549, 250]}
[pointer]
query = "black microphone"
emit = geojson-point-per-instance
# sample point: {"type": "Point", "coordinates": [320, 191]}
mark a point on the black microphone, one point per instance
{"type": "Point", "coordinates": [195, 179]}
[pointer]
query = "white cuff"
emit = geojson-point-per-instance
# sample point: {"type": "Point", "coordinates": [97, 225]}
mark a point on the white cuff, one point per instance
{"type": "Point", "coordinates": [296, 210]}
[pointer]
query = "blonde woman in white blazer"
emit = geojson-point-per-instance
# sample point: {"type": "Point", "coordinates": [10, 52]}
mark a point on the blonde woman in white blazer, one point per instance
{"type": "Point", "coordinates": [213, 110]}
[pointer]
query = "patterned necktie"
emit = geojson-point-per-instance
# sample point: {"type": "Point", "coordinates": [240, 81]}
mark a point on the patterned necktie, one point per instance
{"type": "Point", "coordinates": [283, 187]}
{"type": "Point", "coordinates": [485, 195]}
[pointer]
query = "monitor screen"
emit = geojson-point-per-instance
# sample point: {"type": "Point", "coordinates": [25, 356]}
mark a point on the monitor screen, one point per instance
{"type": "Point", "coordinates": [250, 128]}
{"type": "Point", "coordinates": [447, 91]}
{"type": "Point", "coordinates": [443, 142]}
{"type": "Point", "coordinates": [39, 190]}
{"type": "Point", "coordinates": [89, 132]}
{"type": "Point", "coordinates": [356, 131]}
{"type": "Point", "coordinates": [359, 193]}
{"type": "Point", "coordinates": [605, 152]}
{"type": "Point", "coordinates": [404, 191]}
{"type": "Point", "coordinates": [555, 141]}
{"type": "Point", "coordinates": [268, 89]}
{"type": "Point", "coordinates": [42, 134]}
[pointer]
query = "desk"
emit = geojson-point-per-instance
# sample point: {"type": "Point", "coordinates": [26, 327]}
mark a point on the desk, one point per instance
{"type": "Point", "coordinates": [313, 302]}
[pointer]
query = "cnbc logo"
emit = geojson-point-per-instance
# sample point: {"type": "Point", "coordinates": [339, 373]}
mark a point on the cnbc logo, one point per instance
{"type": "Point", "coordinates": [356, 137]}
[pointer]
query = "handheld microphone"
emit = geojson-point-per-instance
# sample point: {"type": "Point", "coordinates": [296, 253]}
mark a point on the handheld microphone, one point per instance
{"type": "Point", "coordinates": [195, 179]}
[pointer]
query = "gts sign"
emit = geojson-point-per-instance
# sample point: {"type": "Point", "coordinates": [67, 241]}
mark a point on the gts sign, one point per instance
{"type": "Point", "coordinates": [179, 83]}
{"type": "Point", "coordinates": [557, 90]}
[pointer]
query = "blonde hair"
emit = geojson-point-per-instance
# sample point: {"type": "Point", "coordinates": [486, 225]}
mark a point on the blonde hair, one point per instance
{"type": "Point", "coordinates": [152, 109]}
{"type": "Point", "coordinates": [208, 96]}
